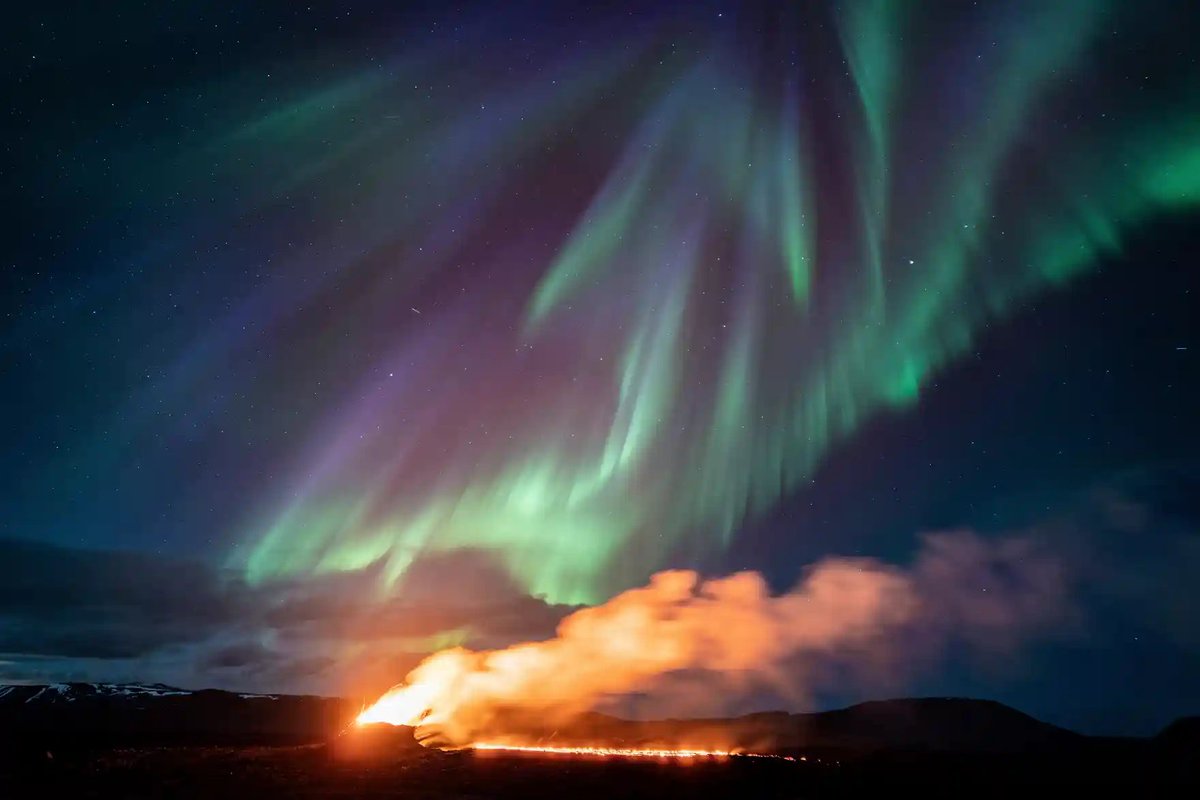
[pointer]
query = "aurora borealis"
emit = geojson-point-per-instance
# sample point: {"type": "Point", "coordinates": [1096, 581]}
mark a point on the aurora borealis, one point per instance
{"type": "Point", "coordinates": [591, 292]}
{"type": "Point", "coordinates": [772, 256]}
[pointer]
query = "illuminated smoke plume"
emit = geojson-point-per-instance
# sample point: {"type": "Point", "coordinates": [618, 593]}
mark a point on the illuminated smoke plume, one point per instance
{"type": "Point", "coordinates": [731, 637]}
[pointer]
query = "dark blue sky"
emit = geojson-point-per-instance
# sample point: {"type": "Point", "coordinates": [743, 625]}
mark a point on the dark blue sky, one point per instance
{"type": "Point", "coordinates": [232, 233]}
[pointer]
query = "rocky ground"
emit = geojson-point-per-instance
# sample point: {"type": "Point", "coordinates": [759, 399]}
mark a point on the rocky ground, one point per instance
{"type": "Point", "coordinates": [139, 741]}
{"type": "Point", "coordinates": [335, 771]}
{"type": "Point", "coordinates": [315, 771]}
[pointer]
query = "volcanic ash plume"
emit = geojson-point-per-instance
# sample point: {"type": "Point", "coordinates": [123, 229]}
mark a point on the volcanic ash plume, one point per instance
{"type": "Point", "coordinates": [730, 636]}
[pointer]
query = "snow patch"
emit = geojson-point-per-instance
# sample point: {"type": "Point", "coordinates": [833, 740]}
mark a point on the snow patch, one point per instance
{"type": "Point", "coordinates": [141, 690]}
{"type": "Point", "coordinates": [72, 692]}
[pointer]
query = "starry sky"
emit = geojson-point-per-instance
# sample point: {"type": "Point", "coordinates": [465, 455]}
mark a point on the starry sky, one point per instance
{"type": "Point", "coordinates": [337, 333]}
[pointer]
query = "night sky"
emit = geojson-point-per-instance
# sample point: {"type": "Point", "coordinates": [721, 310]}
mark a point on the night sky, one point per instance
{"type": "Point", "coordinates": [336, 334]}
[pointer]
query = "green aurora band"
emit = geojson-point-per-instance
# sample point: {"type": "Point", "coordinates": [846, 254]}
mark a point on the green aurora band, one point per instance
{"type": "Point", "coordinates": [786, 241]}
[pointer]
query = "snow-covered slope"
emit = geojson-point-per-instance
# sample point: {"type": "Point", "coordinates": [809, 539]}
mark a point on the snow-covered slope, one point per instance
{"type": "Point", "coordinates": [71, 692]}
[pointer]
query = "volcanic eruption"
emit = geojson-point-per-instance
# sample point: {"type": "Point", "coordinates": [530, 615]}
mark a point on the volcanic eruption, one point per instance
{"type": "Point", "coordinates": [689, 646]}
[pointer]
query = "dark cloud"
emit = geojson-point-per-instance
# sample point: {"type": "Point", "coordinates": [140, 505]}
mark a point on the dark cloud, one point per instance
{"type": "Point", "coordinates": [239, 655]}
{"type": "Point", "coordinates": [44, 578]}
{"type": "Point", "coordinates": [252, 664]}
{"type": "Point", "coordinates": [53, 636]}
{"type": "Point", "coordinates": [85, 614]}
{"type": "Point", "coordinates": [439, 592]}
{"type": "Point", "coordinates": [56, 601]}
{"type": "Point", "coordinates": [994, 593]}
{"type": "Point", "coordinates": [461, 578]}
{"type": "Point", "coordinates": [1137, 547]}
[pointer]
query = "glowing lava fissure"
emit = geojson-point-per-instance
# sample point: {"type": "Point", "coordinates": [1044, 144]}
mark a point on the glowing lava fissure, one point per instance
{"type": "Point", "coordinates": [388, 711]}
{"type": "Point", "coordinates": [623, 752]}
{"type": "Point", "coordinates": [374, 716]}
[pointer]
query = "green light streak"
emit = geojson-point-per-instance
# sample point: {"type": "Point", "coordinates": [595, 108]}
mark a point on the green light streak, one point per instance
{"type": "Point", "coordinates": [749, 323]}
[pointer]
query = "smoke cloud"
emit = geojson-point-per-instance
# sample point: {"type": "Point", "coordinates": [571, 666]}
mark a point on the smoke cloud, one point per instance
{"type": "Point", "coordinates": [696, 646]}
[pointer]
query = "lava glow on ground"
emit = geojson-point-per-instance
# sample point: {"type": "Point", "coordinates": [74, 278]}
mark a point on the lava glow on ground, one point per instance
{"type": "Point", "coordinates": [621, 752]}
{"type": "Point", "coordinates": [377, 714]}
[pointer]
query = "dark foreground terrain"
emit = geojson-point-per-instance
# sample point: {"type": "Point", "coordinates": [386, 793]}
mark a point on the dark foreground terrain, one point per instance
{"type": "Point", "coordinates": [313, 771]}
{"type": "Point", "coordinates": [133, 741]}
{"type": "Point", "coordinates": [321, 771]}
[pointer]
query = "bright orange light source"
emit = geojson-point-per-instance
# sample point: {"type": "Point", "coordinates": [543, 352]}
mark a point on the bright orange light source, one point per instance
{"type": "Point", "coordinates": [403, 705]}
{"type": "Point", "coordinates": [606, 751]}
